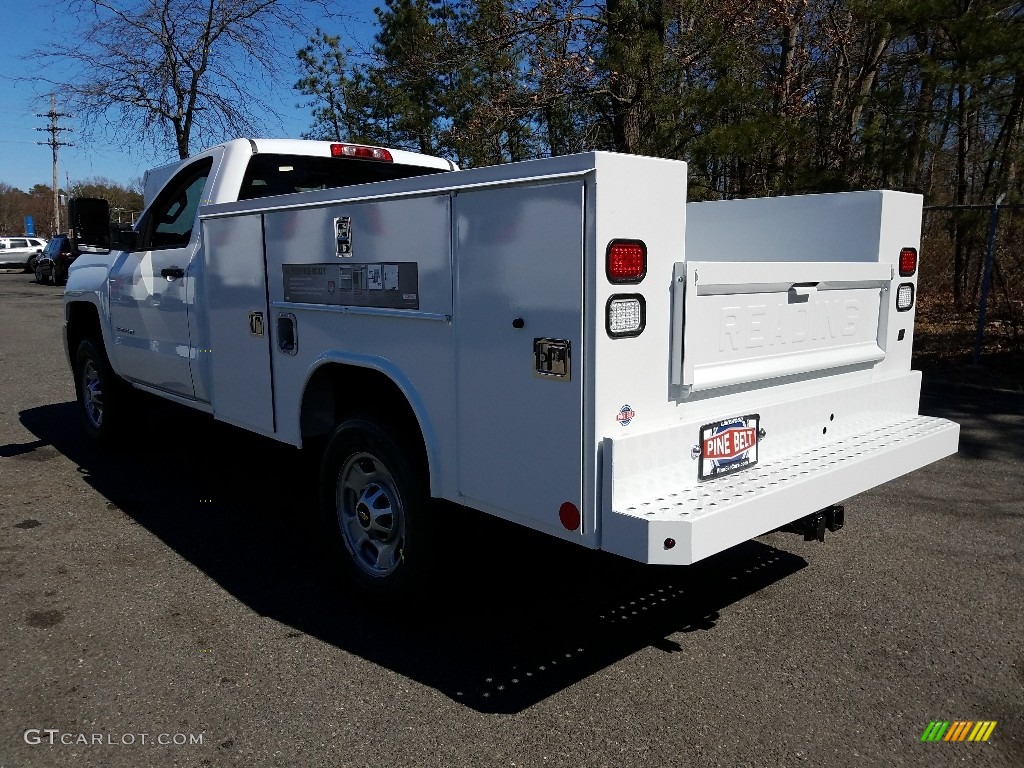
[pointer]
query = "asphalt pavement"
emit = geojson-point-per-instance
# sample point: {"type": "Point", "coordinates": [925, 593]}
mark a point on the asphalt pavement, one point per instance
{"type": "Point", "coordinates": [171, 603]}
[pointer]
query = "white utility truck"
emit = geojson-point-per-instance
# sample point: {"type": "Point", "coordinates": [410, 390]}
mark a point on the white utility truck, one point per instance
{"type": "Point", "coordinates": [564, 343]}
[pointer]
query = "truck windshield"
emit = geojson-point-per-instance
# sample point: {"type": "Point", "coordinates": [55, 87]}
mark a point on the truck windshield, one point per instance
{"type": "Point", "coordinates": [270, 174]}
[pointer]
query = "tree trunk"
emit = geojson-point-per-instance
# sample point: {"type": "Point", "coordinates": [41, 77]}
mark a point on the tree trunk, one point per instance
{"type": "Point", "coordinates": [960, 231]}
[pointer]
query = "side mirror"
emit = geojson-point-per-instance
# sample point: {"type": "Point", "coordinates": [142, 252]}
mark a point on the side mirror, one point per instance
{"type": "Point", "coordinates": [123, 237]}
{"type": "Point", "coordinates": [89, 222]}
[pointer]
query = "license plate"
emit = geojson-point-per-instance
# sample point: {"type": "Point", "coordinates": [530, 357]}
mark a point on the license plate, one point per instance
{"type": "Point", "coordinates": [728, 446]}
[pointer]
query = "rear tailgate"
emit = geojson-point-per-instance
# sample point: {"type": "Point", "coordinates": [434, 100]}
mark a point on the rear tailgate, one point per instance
{"type": "Point", "coordinates": [746, 322]}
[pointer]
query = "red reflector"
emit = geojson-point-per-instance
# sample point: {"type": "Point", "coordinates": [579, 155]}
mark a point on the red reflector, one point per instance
{"type": "Point", "coordinates": [626, 261]}
{"type": "Point", "coordinates": [360, 152]}
{"type": "Point", "coordinates": [669, 543]}
{"type": "Point", "coordinates": [908, 262]}
{"type": "Point", "coordinates": [569, 515]}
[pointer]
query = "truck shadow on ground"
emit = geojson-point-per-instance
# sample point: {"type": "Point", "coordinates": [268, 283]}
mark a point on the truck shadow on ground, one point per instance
{"type": "Point", "coordinates": [516, 615]}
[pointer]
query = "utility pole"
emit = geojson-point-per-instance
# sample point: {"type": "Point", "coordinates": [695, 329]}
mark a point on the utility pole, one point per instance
{"type": "Point", "coordinates": [54, 130]}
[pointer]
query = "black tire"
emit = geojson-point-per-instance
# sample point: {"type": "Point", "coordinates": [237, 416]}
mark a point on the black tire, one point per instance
{"type": "Point", "coordinates": [30, 266]}
{"type": "Point", "coordinates": [40, 277]}
{"type": "Point", "coordinates": [102, 394]}
{"type": "Point", "coordinates": [374, 502]}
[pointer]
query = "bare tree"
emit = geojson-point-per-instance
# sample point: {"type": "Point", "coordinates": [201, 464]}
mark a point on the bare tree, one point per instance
{"type": "Point", "coordinates": [175, 72]}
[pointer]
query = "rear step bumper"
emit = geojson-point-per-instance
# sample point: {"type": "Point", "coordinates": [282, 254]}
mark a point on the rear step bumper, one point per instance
{"type": "Point", "coordinates": [675, 522]}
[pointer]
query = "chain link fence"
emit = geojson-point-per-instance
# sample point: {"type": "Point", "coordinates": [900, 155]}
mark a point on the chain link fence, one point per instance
{"type": "Point", "coordinates": [955, 336]}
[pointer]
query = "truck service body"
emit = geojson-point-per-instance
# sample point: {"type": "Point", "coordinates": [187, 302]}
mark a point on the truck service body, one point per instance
{"type": "Point", "coordinates": [564, 343]}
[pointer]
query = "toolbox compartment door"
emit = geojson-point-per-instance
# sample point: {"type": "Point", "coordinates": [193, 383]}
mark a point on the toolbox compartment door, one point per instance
{"type": "Point", "coordinates": [519, 306]}
{"type": "Point", "coordinates": [238, 355]}
{"type": "Point", "coordinates": [736, 323]}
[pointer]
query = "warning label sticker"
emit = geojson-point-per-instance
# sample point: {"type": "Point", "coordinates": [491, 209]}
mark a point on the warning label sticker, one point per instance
{"type": "Point", "coordinates": [393, 285]}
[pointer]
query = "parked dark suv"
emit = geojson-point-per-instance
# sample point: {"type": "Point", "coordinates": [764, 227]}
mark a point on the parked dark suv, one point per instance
{"type": "Point", "coordinates": [56, 258]}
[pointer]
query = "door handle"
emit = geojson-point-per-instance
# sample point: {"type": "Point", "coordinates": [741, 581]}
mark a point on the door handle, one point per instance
{"type": "Point", "coordinates": [800, 293]}
{"type": "Point", "coordinates": [172, 273]}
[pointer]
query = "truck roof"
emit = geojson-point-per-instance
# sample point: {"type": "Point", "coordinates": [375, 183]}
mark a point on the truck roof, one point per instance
{"type": "Point", "coordinates": [155, 178]}
{"type": "Point", "coordinates": [323, 149]}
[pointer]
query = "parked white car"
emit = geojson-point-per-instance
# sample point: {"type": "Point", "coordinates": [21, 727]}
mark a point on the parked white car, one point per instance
{"type": "Point", "coordinates": [21, 251]}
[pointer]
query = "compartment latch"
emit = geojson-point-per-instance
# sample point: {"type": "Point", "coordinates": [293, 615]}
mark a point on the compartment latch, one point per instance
{"type": "Point", "coordinates": [552, 359]}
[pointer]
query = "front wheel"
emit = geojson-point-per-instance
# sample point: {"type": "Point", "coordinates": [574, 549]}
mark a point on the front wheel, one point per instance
{"type": "Point", "coordinates": [374, 502]}
{"type": "Point", "coordinates": [101, 394]}
{"type": "Point", "coordinates": [40, 277]}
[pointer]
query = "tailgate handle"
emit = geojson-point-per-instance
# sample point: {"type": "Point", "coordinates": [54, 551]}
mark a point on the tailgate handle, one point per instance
{"type": "Point", "coordinates": [801, 292]}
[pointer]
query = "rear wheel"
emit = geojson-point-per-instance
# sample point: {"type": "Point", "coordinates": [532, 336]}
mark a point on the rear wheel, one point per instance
{"type": "Point", "coordinates": [374, 502]}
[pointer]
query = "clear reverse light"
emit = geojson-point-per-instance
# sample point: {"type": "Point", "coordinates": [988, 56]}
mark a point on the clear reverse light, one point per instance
{"type": "Point", "coordinates": [625, 315]}
{"type": "Point", "coordinates": [904, 297]}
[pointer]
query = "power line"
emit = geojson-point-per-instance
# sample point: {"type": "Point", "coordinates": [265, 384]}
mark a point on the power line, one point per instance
{"type": "Point", "coordinates": [54, 143]}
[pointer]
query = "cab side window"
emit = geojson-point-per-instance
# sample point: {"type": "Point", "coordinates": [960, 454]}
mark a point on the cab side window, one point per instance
{"type": "Point", "coordinates": [170, 220]}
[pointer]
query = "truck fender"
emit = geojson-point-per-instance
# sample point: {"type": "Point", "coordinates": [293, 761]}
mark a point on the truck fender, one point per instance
{"type": "Point", "coordinates": [87, 284]}
{"type": "Point", "coordinates": [322, 371]}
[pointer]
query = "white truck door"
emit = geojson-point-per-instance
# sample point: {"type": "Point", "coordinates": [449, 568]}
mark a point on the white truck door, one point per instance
{"type": "Point", "coordinates": [148, 304]}
{"type": "Point", "coordinates": [519, 299]}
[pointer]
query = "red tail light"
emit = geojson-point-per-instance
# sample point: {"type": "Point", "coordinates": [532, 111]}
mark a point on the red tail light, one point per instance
{"type": "Point", "coordinates": [361, 152]}
{"type": "Point", "coordinates": [626, 261]}
{"type": "Point", "coordinates": [908, 262]}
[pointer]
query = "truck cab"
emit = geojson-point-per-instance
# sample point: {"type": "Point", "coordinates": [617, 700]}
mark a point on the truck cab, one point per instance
{"type": "Point", "coordinates": [155, 324]}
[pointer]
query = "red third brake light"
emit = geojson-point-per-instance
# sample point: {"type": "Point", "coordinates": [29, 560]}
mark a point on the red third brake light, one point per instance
{"type": "Point", "coordinates": [908, 262]}
{"type": "Point", "coordinates": [626, 261]}
{"type": "Point", "coordinates": [361, 152]}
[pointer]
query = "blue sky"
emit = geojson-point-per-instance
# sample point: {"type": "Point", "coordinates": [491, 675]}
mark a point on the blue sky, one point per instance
{"type": "Point", "coordinates": [30, 25]}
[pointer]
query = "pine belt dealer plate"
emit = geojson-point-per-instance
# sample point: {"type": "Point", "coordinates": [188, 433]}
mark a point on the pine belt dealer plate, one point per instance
{"type": "Point", "coordinates": [728, 446]}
